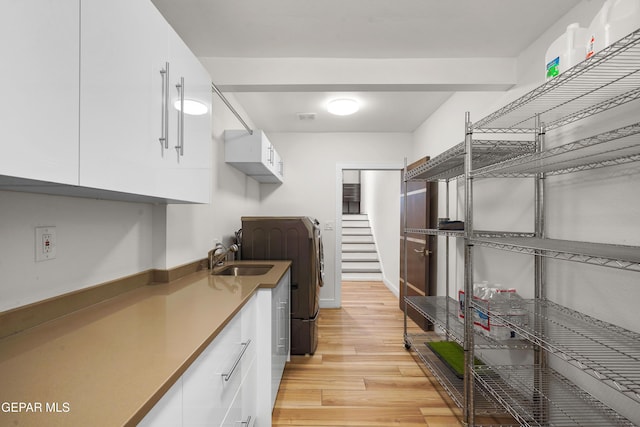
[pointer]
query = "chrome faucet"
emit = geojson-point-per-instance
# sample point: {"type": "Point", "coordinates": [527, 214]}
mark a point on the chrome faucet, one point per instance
{"type": "Point", "coordinates": [219, 253]}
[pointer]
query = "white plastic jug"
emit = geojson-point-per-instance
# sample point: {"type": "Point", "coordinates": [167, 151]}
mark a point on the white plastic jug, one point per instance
{"type": "Point", "coordinates": [566, 51]}
{"type": "Point", "coordinates": [615, 20]}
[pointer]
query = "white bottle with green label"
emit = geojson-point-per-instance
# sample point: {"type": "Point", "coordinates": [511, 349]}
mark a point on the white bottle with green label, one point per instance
{"type": "Point", "coordinates": [566, 51]}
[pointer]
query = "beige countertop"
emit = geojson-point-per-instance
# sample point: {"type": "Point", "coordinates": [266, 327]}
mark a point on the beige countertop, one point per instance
{"type": "Point", "coordinates": [110, 363]}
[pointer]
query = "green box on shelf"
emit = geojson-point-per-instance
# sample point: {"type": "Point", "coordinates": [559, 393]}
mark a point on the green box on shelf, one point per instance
{"type": "Point", "coordinates": [451, 354]}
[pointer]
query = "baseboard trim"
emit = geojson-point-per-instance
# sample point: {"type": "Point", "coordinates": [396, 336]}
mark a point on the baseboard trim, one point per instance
{"type": "Point", "coordinates": [30, 315]}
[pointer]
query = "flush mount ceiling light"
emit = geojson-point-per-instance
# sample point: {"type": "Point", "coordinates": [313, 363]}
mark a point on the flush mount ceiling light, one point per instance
{"type": "Point", "coordinates": [343, 106]}
{"type": "Point", "coordinates": [191, 107]}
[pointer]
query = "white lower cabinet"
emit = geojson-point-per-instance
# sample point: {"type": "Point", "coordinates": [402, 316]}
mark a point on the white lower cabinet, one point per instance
{"type": "Point", "coordinates": [210, 385]}
{"type": "Point", "coordinates": [274, 333]}
{"type": "Point", "coordinates": [235, 381]}
{"type": "Point", "coordinates": [280, 333]}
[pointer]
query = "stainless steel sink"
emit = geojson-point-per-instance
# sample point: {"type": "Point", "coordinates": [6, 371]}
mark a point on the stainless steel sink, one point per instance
{"type": "Point", "coordinates": [243, 270]}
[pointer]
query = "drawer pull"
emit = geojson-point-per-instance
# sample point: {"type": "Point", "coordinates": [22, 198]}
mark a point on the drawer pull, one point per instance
{"type": "Point", "coordinates": [248, 422]}
{"type": "Point", "coordinates": [229, 374]}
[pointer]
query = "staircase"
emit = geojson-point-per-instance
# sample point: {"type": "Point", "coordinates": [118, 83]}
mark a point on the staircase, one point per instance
{"type": "Point", "coordinates": [360, 260]}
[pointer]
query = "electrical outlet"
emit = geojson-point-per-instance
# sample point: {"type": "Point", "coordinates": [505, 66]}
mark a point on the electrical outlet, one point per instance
{"type": "Point", "coordinates": [45, 243]}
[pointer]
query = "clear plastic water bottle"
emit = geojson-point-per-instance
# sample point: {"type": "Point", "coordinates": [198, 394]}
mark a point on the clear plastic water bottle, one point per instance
{"type": "Point", "coordinates": [499, 307]}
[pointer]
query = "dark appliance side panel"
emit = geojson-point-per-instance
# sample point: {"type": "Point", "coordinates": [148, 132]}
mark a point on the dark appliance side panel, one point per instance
{"type": "Point", "coordinates": [286, 239]}
{"type": "Point", "coordinates": [304, 335]}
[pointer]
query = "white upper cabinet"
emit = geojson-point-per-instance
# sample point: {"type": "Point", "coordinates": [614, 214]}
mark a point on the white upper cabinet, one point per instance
{"type": "Point", "coordinates": [39, 112]}
{"type": "Point", "coordinates": [90, 103]}
{"type": "Point", "coordinates": [189, 133]}
{"type": "Point", "coordinates": [129, 126]}
{"type": "Point", "coordinates": [121, 95]}
{"type": "Point", "coordinates": [254, 155]}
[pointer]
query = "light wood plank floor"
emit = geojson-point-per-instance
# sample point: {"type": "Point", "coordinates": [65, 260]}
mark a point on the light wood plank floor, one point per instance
{"type": "Point", "coordinates": [361, 374]}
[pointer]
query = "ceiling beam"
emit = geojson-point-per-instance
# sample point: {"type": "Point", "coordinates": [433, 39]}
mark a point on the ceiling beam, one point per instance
{"type": "Point", "coordinates": [337, 74]}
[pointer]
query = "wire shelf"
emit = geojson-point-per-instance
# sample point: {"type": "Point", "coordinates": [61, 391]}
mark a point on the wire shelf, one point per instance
{"type": "Point", "coordinates": [435, 232]}
{"type": "Point", "coordinates": [608, 79]}
{"type": "Point", "coordinates": [450, 164]}
{"type": "Point", "coordinates": [443, 312]}
{"type": "Point", "coordinates": [615, 147]}
{"type": "Point", "coordinates": [605, 351]}
{"type": "Point", "coordinates": [454, 386]}
{"type": "Point", "coordinates": [476, 233]}
{"type": "Point", "coordinates": [543, 397]}
{"type": "Point", "coordinates": [601, 254]}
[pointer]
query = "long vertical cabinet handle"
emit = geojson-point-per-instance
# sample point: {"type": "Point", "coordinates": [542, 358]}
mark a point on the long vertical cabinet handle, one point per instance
{"type": "Point", "coordinates": [180, 146]}
{"type": "Point", "coordinates": [164, 131]}
{"type": "Point", "coordinates": [282, 318]}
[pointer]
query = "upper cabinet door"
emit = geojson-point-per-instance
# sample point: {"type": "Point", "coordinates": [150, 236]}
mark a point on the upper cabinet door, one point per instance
{"type": "Point", "coordinates": [39, 45]}
{"type": "Point", "coordinates": [124, 46]}
{"type": "Point", "coordinates": [132, 67]}
{"type": "Point", "coordinates": [189, 158]}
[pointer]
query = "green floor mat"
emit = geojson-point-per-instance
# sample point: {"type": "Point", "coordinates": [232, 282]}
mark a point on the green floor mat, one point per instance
{"type": "Point", "coordinates": [451, 354]}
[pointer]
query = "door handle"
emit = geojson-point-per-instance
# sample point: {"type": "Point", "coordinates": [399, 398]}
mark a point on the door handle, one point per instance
{"type": "Point", "coordinates": [423, 251]}
{"type": "Point", "coordinates": [164, 132]}
{"type": "Point", "coordinates": [180, 147]}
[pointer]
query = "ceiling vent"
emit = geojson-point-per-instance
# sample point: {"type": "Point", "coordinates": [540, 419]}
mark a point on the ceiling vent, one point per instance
{"type": "Point", "coordinates": [306, 116]}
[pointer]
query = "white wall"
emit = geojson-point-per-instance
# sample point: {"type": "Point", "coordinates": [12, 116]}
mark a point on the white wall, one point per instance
{"type": "Point", "coordinates": [96, 241]}
{"type": "Point", "coordinates": [311, 178]}
{"type": "Point", "coordinates": [381, 198]}
{"type": "Point", "coordinates": [598, 206]}
{"type": "Point", "coordinates": [101, 240]}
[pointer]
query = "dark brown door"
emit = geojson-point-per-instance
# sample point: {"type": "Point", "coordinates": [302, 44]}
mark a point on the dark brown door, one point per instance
{"type": "Point", "coordinates": [421, 211]}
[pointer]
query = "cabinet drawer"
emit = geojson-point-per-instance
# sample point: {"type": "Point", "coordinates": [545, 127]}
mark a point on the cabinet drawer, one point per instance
{"type": "Point", "coordinates": [211, 383]}
{"type": "Point", "coordinates": [249, 331]}
{"type": "Point", "coordinates": [243, 409]}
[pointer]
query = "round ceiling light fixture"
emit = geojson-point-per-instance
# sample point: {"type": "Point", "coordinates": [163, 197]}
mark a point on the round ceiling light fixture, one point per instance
{"type": "Point", "coordinates": [343, 106]}
{"type": "Point", "coordinates": [192, 107]}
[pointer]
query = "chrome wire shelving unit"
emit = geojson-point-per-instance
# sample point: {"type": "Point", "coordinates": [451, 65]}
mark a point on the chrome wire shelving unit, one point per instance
{"type": "Point", "coordinates": [610, 148]}
{"type": "Point", "coordinates": [450, 164]}
{"type": "Point", "coordinates": [536, 394]}
{"type": "Point", "coordinates": [601, 254]}
{"type": "Point", "coordinates": [444, 312]}
{"type": "Point", "coordinates": [460, 233]}
{"type": "Point", "coordinates": [486, 404]}
{"type": "Point", "coordinates": [606, 80]}
{"type": "Point", "coordinates": [606, 352]}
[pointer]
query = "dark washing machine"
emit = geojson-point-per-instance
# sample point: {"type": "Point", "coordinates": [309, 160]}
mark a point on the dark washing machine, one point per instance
{"type": "Point", "coordinates": [297, 239]}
